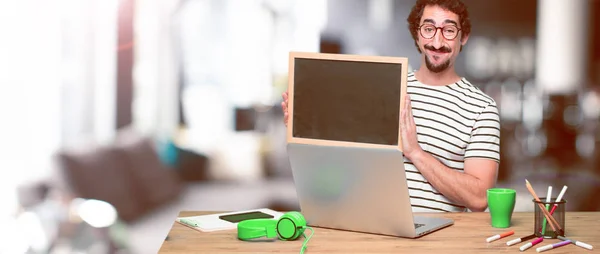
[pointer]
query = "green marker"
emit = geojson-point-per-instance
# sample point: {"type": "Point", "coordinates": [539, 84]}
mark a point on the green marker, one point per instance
{"type": "Point", "coordinates": [188, 222]}
{"type": "Point", "coordinates": [548, 199]}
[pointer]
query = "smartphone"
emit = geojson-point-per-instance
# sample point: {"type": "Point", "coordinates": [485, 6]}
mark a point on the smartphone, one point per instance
{"type": "Point", "coordinates": [237, 217]}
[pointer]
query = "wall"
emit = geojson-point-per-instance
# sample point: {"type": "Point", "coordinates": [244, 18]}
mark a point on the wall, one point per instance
{"type": "Point", "coordinates": [498, 21]}
{"type": "Point", "coordinates": [348, 21]}
{"type": "Point", "coordinates": [499, 56]}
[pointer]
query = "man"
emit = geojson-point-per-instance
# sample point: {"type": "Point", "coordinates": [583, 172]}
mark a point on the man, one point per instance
{"type": "Point", "coordinates": [450, 129]}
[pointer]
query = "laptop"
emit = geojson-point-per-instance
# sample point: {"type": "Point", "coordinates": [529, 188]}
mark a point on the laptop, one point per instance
{"type": "Point", "coordinates": [357, 189]}
{"type": "Point", "coordinates": [344, 144]}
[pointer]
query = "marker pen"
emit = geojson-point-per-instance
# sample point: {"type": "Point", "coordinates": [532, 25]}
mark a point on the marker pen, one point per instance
{"type": "Point", "coordinates": [559, 198]}
{"type": "Point", "coordinates": [518, 240]}
{"type": "Point", "coordinates": [578, 243]}
{"type": "Point", "coordinates": [532, 243]}
{"type": "Point", "coordinates": [548, 199]}
{"type": "Point", "coordinates": [496, 237]}
{"type": "Point", "coordinates": [552, 246]}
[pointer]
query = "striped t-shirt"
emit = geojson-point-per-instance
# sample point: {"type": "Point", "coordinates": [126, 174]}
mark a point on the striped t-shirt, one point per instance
{"type": "Point", "coordinates": [454, 122]}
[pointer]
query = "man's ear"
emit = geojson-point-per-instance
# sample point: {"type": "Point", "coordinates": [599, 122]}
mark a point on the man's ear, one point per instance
{"type": "Point", "coordinates": [464, 39]}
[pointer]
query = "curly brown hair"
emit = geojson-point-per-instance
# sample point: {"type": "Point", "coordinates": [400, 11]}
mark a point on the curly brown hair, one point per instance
{"type": "Point", "coordinates": [455, 6]}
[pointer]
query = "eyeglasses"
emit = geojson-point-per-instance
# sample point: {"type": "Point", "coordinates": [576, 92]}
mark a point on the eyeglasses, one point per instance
{"type": "Point", "coordinates": [449, 32]}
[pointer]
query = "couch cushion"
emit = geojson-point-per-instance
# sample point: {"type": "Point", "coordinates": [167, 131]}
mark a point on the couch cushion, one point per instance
{"type": "Point", "coordinates": [156, 182]}
{"type": "Point", "coordinates": [99, 173]}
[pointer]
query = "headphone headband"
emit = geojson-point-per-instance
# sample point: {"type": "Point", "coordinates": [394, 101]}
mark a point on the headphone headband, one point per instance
{"type": "Point", "coordinates": [249, 229]}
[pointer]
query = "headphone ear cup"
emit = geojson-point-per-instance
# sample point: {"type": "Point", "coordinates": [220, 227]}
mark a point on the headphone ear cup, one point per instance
{"type": "Point", "coordinates": [300, 222]}
{"type": "Point", "coordinates": [291, 225]}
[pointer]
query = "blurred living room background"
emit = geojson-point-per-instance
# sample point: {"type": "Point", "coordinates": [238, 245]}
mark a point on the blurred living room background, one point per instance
{"type": "Point", "coordinates": [119, 114]}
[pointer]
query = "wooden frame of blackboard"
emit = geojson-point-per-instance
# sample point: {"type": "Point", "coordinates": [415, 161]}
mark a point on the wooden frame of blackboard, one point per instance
{"type": "Point", "coordinates": [342, 57]}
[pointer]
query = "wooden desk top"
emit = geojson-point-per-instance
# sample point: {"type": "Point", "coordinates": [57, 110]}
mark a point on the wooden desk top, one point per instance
{"type": "Point", "coordinates": [467, 235]}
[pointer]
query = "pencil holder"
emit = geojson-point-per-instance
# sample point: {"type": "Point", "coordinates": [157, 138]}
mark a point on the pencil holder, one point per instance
{"type": "Point", "coordinates": [541, 227]}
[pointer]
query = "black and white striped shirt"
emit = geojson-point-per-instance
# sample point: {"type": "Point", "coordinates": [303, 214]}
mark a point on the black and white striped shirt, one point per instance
{"type": "Point", "coordinates": [454, 122]}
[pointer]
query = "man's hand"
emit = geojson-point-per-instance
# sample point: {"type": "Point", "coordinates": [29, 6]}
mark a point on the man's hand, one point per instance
{"type": "Point", "coordinates": [408, 130]}
{"type": "Point", "coordinates": [284, 105]}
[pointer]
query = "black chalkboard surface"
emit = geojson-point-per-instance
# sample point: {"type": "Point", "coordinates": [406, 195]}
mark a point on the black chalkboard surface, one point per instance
{"type": "Point", "coordinates": [346, 98]}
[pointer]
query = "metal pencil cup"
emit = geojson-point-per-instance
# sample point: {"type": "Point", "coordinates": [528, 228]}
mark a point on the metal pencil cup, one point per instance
{"type": "Point", "coordinates": [541, 226]}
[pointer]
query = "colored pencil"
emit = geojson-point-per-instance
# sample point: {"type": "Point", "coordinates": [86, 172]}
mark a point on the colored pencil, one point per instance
{"type": "Point", "coordinates": [188, 222]}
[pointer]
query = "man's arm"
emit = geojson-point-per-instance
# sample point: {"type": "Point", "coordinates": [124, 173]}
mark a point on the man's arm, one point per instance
{"type": "Point", "coordinates": [468, 188]}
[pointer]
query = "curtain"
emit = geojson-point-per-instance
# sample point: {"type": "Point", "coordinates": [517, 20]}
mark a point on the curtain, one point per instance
{"type": "Point", "coordinates": [56, 84]}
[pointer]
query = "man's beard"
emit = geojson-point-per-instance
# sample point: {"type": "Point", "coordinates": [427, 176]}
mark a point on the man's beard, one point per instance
{"type": "Point", "coordinates": [437, 68]}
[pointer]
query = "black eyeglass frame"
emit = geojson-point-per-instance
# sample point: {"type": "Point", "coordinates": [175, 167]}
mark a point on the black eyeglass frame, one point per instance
{"type": "Point", "coordinates": [436, 30]}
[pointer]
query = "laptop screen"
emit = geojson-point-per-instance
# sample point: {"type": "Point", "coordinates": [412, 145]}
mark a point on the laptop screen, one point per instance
{"type": "Point", "coordinates": [347, 100]}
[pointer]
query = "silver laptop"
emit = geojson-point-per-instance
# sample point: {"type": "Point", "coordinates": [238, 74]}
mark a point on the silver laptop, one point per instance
{"type": "Point", "coordinates": [357, 189]}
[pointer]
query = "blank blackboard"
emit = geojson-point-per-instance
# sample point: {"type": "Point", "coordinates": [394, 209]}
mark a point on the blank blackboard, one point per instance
{"type": "Point", "coordinates": [346, 98]}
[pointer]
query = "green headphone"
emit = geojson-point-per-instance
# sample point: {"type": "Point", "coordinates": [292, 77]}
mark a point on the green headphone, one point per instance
{"type": "Point", "coordinates": [289, 227]}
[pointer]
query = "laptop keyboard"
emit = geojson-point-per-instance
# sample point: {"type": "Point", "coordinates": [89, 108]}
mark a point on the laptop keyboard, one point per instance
{"type": "Point", "coordinates": [417, 225]}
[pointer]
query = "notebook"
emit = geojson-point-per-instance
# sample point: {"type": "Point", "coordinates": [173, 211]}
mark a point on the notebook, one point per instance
{"type": "Point", "coordinates": [225, 221]}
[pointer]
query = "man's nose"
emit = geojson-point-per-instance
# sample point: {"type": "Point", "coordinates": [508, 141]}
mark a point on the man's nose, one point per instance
{"type": "Point", "coordinates": [437, 40]}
